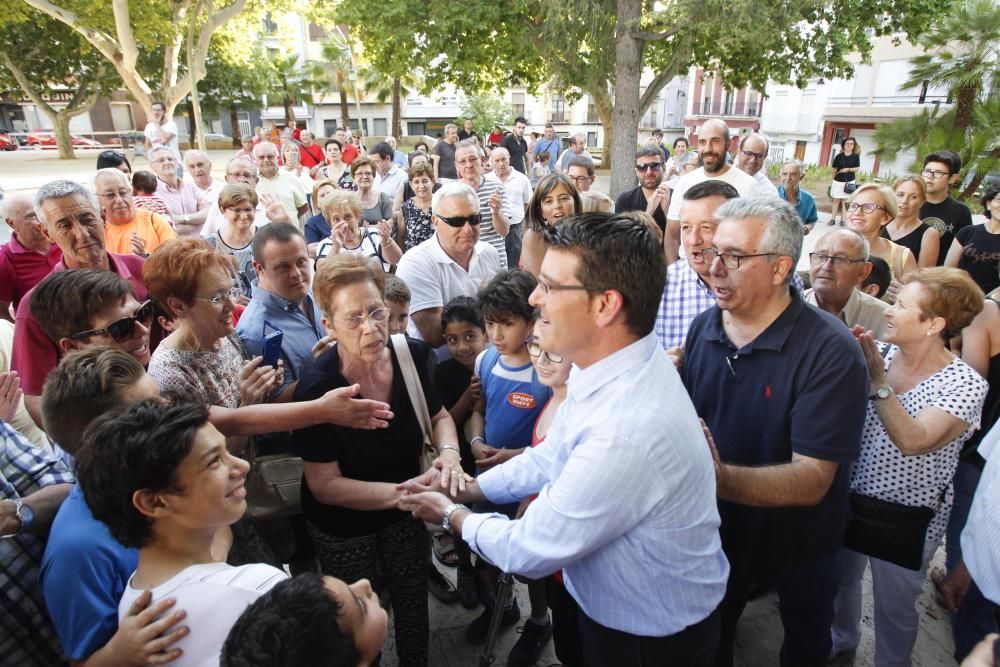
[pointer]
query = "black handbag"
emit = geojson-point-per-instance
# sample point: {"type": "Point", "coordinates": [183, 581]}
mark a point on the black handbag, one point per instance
{"type": "Point", "coordinates": [888, 531]}
{"type": "Point", "coordinates": [850, 187]}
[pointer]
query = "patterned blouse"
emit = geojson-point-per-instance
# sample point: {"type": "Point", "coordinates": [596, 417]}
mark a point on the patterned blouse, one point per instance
{"type": "Point", "coordinates": [212, 376]}
{"type": "Point", "coordinates": [345, 182]}
{"type": "Point", "coordinates": [418, 224]}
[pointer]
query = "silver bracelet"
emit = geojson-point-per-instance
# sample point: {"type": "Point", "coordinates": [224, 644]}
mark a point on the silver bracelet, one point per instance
{"type": "Point", "coordinates": [453, 448]}
{"type": "Point", "coordinates": [475, 438]}
{"type": "Point", "coordinates": [446, 518]}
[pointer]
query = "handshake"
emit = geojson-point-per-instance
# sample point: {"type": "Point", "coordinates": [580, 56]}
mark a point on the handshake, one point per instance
{"type": "Point", "coordinates": [430, 493]}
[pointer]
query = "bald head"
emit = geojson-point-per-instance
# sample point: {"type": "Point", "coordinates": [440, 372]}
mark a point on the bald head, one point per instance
{"type": "Point", "coordinates": [18, 211]}
{"type": "Point", "coordinates": [837, 265]}
{"type": "Point", "coordinates": [753, 153]}
{"type": "Point", "coordinates": [713, 145]}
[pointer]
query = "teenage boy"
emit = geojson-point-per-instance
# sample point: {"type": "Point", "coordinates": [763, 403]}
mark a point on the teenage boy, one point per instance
{"type": "Point", "coordinates": [160, 477]}
{"type": "Point", "coordinates": [397, 299]}
{"type": "Point", "coordinates": [940, 210]}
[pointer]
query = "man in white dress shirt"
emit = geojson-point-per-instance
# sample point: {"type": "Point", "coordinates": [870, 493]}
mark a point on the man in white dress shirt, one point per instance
{"type": "Point", "coordinates": [752, 159]}
{"type": "Point", "coordinates": [624, 478]}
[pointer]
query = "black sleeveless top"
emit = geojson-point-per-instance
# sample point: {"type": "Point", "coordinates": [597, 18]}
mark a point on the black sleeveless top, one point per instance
{"type": "Point", "coordinates": [911, 240]}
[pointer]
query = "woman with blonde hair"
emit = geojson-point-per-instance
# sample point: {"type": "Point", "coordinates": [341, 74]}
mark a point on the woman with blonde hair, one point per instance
{"type": "Point", "coordinates": [907, 229]}
{"type": "Point", "coordinates": [871, 208]}
{"type": "Point", "coordinates": [351, 234]}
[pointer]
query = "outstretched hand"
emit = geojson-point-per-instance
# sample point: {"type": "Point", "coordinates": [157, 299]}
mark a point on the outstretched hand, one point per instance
{"type": "Point", "coordinates": [341, 408]}
{"type": "Point", "coordinates": [428, 506]}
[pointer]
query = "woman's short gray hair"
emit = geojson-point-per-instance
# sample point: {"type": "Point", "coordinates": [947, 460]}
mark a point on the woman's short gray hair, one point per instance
{"type": "Point", "coordinates": [455, 189]}
{"type": "Point", "coordinates": [783, 235]}
{"type": "Point", "coordinates": [58, 190]}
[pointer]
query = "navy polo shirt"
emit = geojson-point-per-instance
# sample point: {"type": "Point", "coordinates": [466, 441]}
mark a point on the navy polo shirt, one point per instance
{"type": "Point", "coordinates": [800, 387]}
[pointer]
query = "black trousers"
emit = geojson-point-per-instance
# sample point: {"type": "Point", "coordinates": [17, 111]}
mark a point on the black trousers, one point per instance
{"type": "Point", "coordinates": [694, 646]}
{"type": "Point", "coordinates": [565, 623]}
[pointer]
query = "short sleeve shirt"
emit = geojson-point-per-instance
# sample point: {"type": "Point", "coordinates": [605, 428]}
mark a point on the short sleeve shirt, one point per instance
{"type": "Point", "coordinates": [21, 269]}
{"type": "Point", "coordinates": [635, 200]}
{"type": "Point", "coordinates": [446, 166]}
{"type": "Point", "coordinates": [980, 256]}
{"type": "Point", "coordinates": [518, 149]}
{"type": "Point", "coordinates": [948, 217]}
{"type": "Point", "coordinates": [745, 186]}
{"type": "Point", "coordinates": [920, 481]}
{"type": "Point", "coordinates": [151, 227]}
{"type": "Point", "coordinates": [487, 233]}
{"type": "Point", "coordinates": [212, 376]}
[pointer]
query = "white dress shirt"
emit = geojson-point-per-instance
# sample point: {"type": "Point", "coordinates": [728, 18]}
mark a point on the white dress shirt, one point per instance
{"type": "Point", "coordinates": [981, 537]}
{"type": "Point", "coordinates": [626, 500]}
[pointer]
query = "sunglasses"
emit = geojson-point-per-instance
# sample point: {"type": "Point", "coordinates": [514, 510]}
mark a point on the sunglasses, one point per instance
{"type": "Point", "coordinates": [123, 329]}
{"type": "Point", "coordinates": [460, 221]}
{"type": "Point", "coordinates": [655, 166]}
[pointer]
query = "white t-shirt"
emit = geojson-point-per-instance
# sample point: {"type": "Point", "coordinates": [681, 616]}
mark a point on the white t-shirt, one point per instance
{"type": "Point", "coordinates": [516, 195]}
{"type": "Point", "coordinates": [152, 133]}
{"type": "Point", "coordinates": [215, 219]}
{"type": "Point", "coordinates": [744, 184]}
{"type": "Point", "coordinates": [435, 279]}
{"type": "Point", "coordinates": [213, 595]}
{"type": "Point", "coordinates": [764, 185]}
{"type": "Point", "coordinates": [211, 193]}
{"type": "Point", "coordinates": [370, 246]}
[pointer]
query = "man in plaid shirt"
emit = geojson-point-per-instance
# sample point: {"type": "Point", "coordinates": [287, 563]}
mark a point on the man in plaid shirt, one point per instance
{"type": "Point", "coordinates": [688, 291]}
{"type": "Point", "coordinates": [33, 483]}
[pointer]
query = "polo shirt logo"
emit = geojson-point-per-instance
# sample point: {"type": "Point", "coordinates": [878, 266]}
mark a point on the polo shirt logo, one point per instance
{"type": "Point", "coordinates": [767, 391]}
{"type": "Point", "coordinates": [521, 400]}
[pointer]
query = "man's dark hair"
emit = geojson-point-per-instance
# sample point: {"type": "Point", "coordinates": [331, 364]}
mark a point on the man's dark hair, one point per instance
{"type": "Point", "coordinates": [506, 295]}
{"type": "Point", "coordinates": [649, 151]}
{"type": "Point", "coordinates": [520, 119]}
{"type": "Point", "coordinates": [340, 129]}
{"type": "Point", "coordinates": [85, 385]}
{"type": "Point", "coordinates": [144, 182]}
{"type": "Point", "coordinates": [282, 232]}
{"type": "Point", "coordinates": [544, 155]}
{"type": "Point", "coordinates": [881, 275]}
{"type": "Point", "coordinates": [396, 290]}
{"type": "Point", "coordinates": [65, 302]}
{"type": "Point", "coordinates": [581, 161]}
{"type": "Point", "coordinates": [712, 188]}
{"type": "Point", "coordinates": [950, 158]}
{"type": "Point", "coordinates": [292, 625]}
{"type": "Point", "coordinates": [638, 271]}
{"type": "Point", "coordinates": [134, 450]}
{"type": "Point", "coordinates": [990, 195]}
{"type": "Point", "coordinates": [383, 150]}
{"type": "Point", "coordinates": [462, 309]}
{"type": "Point", "coordinates": [112, 160]}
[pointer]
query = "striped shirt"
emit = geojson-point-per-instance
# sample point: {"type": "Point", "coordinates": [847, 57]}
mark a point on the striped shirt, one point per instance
{"type": "Point", "coordinates": [27, 637]}
{"type": "Point", "coordinates": [487, 234]}
{"type": "Point", "coordinates": [981, 537]}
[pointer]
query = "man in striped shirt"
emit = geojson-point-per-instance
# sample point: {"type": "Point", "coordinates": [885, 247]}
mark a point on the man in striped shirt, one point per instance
{"type": "Point", "coordinates": [490, 190]}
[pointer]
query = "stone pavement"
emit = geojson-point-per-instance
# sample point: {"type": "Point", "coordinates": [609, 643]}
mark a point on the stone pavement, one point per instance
{"type": "Point", "coordinates": [760, 631]}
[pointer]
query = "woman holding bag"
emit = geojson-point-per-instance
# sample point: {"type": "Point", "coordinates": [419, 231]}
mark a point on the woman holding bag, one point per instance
{"type": "Point", "coordinates": [925, 402]}
{"type": "Point", "coordinates": [349, 490]}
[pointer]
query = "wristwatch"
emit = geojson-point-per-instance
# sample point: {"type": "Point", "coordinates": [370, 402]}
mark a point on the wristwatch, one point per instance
{"type": "Point", "coordinates": [24, 515]}
{"type": "Point", "coordinates": [446, 517]}
{"type": "Point", "coordinates": [881, 394]}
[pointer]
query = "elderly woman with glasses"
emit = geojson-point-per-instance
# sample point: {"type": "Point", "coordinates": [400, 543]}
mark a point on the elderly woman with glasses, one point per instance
{"type": "Point", "coordinates": [238, 203]}
{"type": "Point", "coordinates": [870, 209]}
{"type": "Point", "coordinates": [128, 229]}
{"type": "Point", "coordinates": [925, 402]}
{"type": "Point", "coordinates": [349, 492]}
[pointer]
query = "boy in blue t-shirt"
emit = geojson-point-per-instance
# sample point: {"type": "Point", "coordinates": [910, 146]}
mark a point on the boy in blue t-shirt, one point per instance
{"type": "Point", "coordinates": [501, 426]}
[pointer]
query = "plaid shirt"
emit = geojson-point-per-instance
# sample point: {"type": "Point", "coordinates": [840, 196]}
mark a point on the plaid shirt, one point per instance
{"type": "Point", "coordinates": [26, 634]}
{"type": "Point", "coordinates": [685, 296]}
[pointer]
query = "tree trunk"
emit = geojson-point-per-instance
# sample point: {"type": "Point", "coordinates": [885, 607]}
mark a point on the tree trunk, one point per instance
{"type": "Point", "coordinates": [234, 122]}
{"type": "Point", "coordinates": [191, 122]}
{"type": "Point", "coordinates": [397, 123]}
{"type": "Point", "coordinates": [964, 105]}
{"type": "Point", "coordinates": [64, 139]}
{"type": "Point", "coordinates": [289, 112]}
{"type": "Point", "coordinates": [625, 116]}
{"type": "Point", "coordinates": [345, 112]}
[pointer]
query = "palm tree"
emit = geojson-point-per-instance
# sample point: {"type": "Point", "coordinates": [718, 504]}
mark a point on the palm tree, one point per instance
{"type": "Point", "coordinates": [294, 84]}
{"type": "Point", "coordinates": [339, 66]}
{"type": "Point", "coordinates": [384, 88]}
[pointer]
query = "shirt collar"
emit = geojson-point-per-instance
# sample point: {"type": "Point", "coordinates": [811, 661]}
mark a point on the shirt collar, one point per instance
{"type": "Point", "coordinates": [585, 381]}
{"type": "Point", "coordinates": [278, 302]}
{"type": "Point", "coordinates": [114, 265]}
{"type": "Point", "coordinates": [441, 257]}
{"type": "Point", "coordinates": [692, 275]}
{"type": "Point", "coordinates": [773, 337]}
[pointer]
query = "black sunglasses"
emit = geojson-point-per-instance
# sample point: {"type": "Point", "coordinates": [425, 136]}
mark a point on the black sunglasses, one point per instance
{"type": "Point", "coordinates": [655, 166]}
{"type": "Point", "coordinates": [460, 221]}
{"type": "Point", "coordinates": [123, 329]}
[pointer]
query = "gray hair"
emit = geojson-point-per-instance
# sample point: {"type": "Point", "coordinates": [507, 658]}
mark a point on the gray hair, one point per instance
{"type": "Point", "coordinates": [783, 234]}
{"type": "Point", "coordinates": [649, 151]}
{"type": "Point", "coordinates": [499, 148]}
{"type": "Point", "coordinates": [455, 189]}
{"type": "Point", "coordinates": [111, 171]}
{"type": "Point", "coordinates": [796, 163]}
{"type": "Point", "coordinates": [8, 202]}
{"type": "Point", "coordinates": [757, 135]}
{"type": "Point", "coordinates": [466, 144]}
{"type": "Point", "coordinates": [244, 160]}
{"type": "Point", "coordinates": [580, 138]}
{"type": "Point", "coordinates": [195, 152]}
{"type": "Point", "coordinates": [451, 126]}
{"type": "Point", "coordinates": [160, 148]}
{"type": "Point", "coordinates": [58, 190]}
{"type": "Point", "coordinates": [855, 238]}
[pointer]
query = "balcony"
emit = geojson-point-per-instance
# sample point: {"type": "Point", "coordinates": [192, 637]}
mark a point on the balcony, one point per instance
{"type": "Point", "coordinates": [790, 123]}
{"type": "Point", "coordinates": [886, 100]}
{"type": "Point", "coordinates": [716, 109]}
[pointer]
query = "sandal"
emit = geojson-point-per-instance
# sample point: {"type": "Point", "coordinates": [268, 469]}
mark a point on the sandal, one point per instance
{"type": "Point", "coordinates": [444, 550]}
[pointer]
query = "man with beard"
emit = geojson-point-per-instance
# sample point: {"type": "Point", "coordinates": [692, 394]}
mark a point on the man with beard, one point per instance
{"type": "Point", "coordinates": [713, 142]}
{"type": "Point", "coordinates": [652, 195]}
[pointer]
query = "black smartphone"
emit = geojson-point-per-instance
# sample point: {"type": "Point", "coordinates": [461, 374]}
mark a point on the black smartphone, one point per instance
{"type": "Point", "coordinates": [272, 348]}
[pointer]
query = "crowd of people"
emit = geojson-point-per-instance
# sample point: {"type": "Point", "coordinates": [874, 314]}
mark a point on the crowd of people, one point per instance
{"type": "Point", "coordinates": [244, 419]}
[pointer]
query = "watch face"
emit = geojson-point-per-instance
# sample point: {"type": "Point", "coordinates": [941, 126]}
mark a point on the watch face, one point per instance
{"type": "Point", "coordinates": [26, 516]}
{"type": "Point", "coordinates": [883, 392]}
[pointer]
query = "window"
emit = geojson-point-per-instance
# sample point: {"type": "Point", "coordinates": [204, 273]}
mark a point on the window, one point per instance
{"type": "Point", "coordinates": [517, 104]}
{"type": "Point", "coordinates": [416, 129]}
{"type": "Point", "coordinates": [728, 103]}
{"type": "Point", "coordinates": [558, 109]}
{"type": "Point", "coordinates": [592, 138]}
{"type": "Point", "coordinates": [592, 116]}
{"type": "Point", "coordinates": [380, 127]}
{"type": "Point", "coordinates": [121, 116]}
{"type": "Point", "coordinates": [363, 126]}
{"type": "Point", "coordinates": [329, 125]}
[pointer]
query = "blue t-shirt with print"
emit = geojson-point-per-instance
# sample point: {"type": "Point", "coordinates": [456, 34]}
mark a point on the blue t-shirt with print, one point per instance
{"type": "Point", "coordinates": [514, 399]}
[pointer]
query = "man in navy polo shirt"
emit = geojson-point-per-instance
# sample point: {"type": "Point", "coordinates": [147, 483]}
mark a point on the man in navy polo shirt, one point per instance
{"type": "Point", "coordinates": [783, 389]}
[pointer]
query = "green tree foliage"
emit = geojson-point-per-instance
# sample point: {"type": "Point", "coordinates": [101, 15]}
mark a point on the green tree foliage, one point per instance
{"type": "Point", "coordinates": [238, 75]}
{"type": "Point", "coordinates": [293, 84]}
{"type": "Point", "coordinates": [486, 110]}
{"type": "Point", "coordinates": [384, 89]}
{"type": "Point", "coordinates": [961, 56]}
{"type": "Point", "coordinates": [36, 53]}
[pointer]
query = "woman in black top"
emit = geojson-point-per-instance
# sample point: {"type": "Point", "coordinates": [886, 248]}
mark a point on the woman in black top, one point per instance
{"type": "Point", "coordinates": [349, 490]}
{"type": "Point", "coordinates": [976, 248]}
{"type": "Point", "coordinates": [846, 163]}
{"type": "Point", "coordinates": [906, 229]}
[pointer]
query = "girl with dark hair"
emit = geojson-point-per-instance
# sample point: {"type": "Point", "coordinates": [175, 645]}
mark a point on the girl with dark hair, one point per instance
{"type": "Point", "coordinates": [555, 199]}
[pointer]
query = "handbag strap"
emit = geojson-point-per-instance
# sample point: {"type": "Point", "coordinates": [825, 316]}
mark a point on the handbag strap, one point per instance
{"type": "Point", "coordinates": [412, 382]}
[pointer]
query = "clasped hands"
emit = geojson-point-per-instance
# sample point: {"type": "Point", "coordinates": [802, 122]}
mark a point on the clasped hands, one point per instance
{"type": "Point", "coordinates": [427, 495]}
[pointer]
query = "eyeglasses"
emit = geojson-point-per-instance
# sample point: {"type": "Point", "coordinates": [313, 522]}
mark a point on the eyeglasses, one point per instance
{"type": "Point", "coordinates": [730, 260]}
{"type": "Point", "coordinates": [459, 221]}
{"type": "Point", "coordinates": [655, 166]}
{"type": "Point", "coordinates": [819, 259]}
{"type": "Point", "coordinates": [552, 287]}
{"type": "Point", "coordinates": [363, 174]}
{"type": "Point", "coordinates": [377, 316]}
{"type": "Point", "coordinates": [110, 196]}
{"type": "Point", "coordinates": [166, 159]}
{"type": "Point", "coordinates": [935, 173]}
{"type": "Point", "coordinates": [750, 155]}
{"type": "Point", "coordinates": [123, 329]}
{"type": "Point", "coordinates": [865, 208]}
{"type": "Point", "coordinates": [231, 294]}
{"type": "Point", "coordinates": [580, 179]}
{"type": "Point", "coordinates": [535, 351]}
{"type": "Point", "coordinates": [242, 211]}
{"type": "Point", "coordinates": [242, 174]}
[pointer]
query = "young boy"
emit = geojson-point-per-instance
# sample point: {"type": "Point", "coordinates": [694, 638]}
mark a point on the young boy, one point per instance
{"type": "Point", "coordinates": [501, 425]}
{"type": "Point", "coordinates": [309, 621]}
{"type": "Point", "coordinates": [397, 298]}
{"type": "Point", "coordinates": [160, 477]}
{"type": "Point", "coordinates": [144, 193]}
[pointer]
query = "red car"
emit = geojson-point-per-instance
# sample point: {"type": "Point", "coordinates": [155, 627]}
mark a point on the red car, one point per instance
{"type": "Point", "coordinates": [47, 139]}
{"type": "Point", "coordinates": [7, 143]}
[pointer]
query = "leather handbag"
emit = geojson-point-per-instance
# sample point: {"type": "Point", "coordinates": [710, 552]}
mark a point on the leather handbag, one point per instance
{"type": "Point", "coordinates": [274, 485]}
{"type": "Point", "coordinates": [416, 393]}
{"type": "Point", "coordinates": [888, 531]}
{"type": "Point", "coordinates": [850, 187]}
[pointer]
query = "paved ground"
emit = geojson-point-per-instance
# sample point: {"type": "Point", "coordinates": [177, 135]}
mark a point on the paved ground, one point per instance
{"type": "Point", "coordinates": [760, 631]}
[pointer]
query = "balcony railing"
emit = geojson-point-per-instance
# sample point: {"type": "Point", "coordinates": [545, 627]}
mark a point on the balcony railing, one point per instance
{"type": "Point", "coordinates": [886, 100]}
{"type": "Point", "coordinates": [800, 123]}
{"type": "Point", "coordinates": [706, 109]}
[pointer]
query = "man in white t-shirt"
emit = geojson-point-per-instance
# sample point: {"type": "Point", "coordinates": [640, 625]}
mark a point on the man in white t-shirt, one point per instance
{"type": "Point", "coordinates": [516, 195]}
{"type": "Point", "coordinates": [161, 478]}
{"type": "Point", "coordinates": [199, 171]}
{"type": "Point", "coordinates": [713, 143]}
{"type": "Point", "coordinates": [161, 131]}
{"type": "Point", "coordinates": [752, 159]}
{"type": "Point", "coordinates": [453, 262]}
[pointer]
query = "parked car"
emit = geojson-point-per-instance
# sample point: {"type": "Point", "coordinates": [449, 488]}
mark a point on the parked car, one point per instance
{"type": "Point", "coordinates": [47, 139]}
{"type": "Point", "coordinates": [7, 142]}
